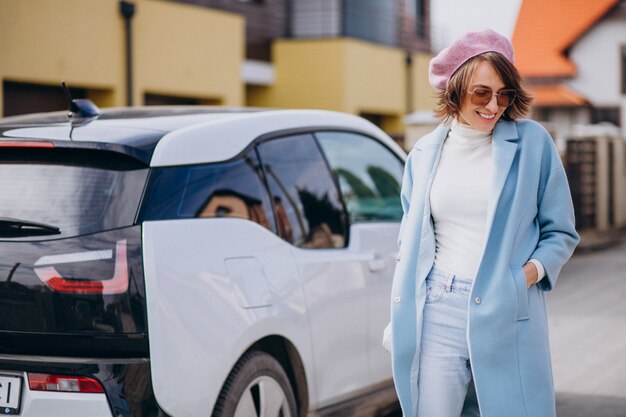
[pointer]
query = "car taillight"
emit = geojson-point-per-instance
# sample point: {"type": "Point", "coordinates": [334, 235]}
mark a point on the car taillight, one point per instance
{"type": "Point", "coordinates": [25, 144]}
{"type": "Point", "coordinates": [63, 383]}
{"type": "Point", "coordinates": [118, 284]}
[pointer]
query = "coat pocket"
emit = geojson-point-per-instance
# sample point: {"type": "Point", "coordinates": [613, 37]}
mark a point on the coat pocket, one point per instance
{"type": "Point", "coordinates": [522, 293]}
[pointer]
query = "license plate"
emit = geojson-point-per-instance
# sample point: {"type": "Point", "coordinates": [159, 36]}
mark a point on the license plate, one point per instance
{"type": "Point", "coordinates": [10, 394]}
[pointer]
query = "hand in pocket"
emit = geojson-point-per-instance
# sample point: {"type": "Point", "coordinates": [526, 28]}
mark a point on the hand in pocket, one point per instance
{"type": "Point", "coordinates": [530, 270]}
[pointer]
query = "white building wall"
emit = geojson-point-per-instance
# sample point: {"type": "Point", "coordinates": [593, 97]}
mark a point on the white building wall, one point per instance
{"type": "Point", "coordinates": [561, 122]}
{"type": "Point", "coordinates": [597, 56]}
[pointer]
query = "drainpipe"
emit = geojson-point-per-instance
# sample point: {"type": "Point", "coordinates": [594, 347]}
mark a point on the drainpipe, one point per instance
{"type": "Point", "coordinates": [127, 9]}
{"type": "Point", "coordinates": [409, 82]}
{"type": "Point", "coordinates": [288, 19]}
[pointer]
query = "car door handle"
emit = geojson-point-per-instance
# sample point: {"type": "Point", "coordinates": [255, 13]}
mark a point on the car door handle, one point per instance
{"type": "Point", "coordinates": [376, 265]}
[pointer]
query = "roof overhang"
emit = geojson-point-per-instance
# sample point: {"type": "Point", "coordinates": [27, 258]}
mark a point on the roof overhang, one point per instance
{"type": "Point", "coordinates": [556, 95]}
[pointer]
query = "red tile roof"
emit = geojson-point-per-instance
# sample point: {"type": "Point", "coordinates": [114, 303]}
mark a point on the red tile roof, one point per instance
{"type": "Point", "coordinates": [555, 95]}
{"type": "Point", "coordinates": [545, 28]}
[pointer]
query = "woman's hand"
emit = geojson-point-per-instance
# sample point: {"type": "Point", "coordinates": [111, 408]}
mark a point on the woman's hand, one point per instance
{"type": "Point", "coordinates": [531, 274]}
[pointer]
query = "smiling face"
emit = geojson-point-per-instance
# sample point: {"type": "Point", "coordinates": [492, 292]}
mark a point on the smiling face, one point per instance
{"type": "Point", "coordinates": [482, 118]}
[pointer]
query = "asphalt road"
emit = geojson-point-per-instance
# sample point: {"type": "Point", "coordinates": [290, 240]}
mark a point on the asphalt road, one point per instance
{"type": "Point", "coordinates": [587, 319]}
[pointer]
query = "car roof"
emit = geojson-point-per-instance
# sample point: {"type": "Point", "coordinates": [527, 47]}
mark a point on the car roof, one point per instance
{"type": "Point", "coordinates": [180, 135]}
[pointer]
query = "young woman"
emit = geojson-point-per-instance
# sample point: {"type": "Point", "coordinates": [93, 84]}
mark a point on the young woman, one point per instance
{"type": "Point", "coordinates": [488, 225]}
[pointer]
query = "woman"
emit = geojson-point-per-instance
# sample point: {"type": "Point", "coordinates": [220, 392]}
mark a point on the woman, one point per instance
{"type": "Point", "coordinates": [488, 224]}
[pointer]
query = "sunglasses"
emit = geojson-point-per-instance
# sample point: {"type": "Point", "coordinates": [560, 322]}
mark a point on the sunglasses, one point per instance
{"type": "Point", "coordinates": [481, 96]}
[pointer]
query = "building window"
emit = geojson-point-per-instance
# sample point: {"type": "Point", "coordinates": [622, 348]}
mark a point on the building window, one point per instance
{"type": "Point", "coordinates": [371, 20]}
{"type": "Point", "coordinates": [420, 17]}
{"type": "Point", "coordinates": [150, 99]}
{"type": "Point", "coordinates": [541, 114]}
{"type": "Point", "coordinates": [21, 98]}
{"type": "Point", "coordinates": [606, 114]}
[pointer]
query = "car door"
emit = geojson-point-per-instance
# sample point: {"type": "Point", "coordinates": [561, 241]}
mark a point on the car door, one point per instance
{"type": "Point", "coordinates": [370, 176]}
{"type": "Point", "coordinates": [311, 216]}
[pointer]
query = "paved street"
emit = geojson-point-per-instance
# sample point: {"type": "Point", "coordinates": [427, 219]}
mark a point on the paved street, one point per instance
{"type": "Point", "coordinates": [587, 315]}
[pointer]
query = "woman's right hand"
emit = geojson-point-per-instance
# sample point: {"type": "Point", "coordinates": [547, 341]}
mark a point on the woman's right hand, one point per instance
{"type": "Point", "coordinates": [530, 270]}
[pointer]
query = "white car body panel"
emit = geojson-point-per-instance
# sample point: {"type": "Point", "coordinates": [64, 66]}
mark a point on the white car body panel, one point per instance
{"type": "Point", "coordinates": [378, 241]}
{"type": "Point", "coordinates": [184, 280]}
{"type": "Point", "coordinates": [198, 328]}
{"type": "Point", "coordinates": [334, 286]}
{"type": "Point", "coordinates": [66, 404]}
{"type": "Point", "coordinates": [223, 138]}
{"type": "Point", "coordinates": [216, 286]}
{"type": "Point", "coordinates": [348, 292]}
{"type": "Point", "coordinates": [344, 292]}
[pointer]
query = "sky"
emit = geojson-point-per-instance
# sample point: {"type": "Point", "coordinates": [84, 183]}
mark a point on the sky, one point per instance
{"type": "Point", "coordinates": [452, 18]}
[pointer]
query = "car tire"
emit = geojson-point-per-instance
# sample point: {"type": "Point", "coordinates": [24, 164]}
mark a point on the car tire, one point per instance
{"type": "Point", "coordinates": [257, 386]}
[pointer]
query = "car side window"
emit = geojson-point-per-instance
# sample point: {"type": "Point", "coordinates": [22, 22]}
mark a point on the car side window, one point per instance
{"type": "Point", "coordinates": [308, 209]}
{"type": "Point", "coordinates": [369, 175]}
{"type": "Point", "coordinates": [226, 189]}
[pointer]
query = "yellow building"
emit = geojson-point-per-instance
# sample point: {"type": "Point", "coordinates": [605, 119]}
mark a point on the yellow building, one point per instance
{"type": "Point", "coordinates": [178, 51]}
{"type": "Point", "coordinates": [344, 74]}
{"type": "Point", "coordinates": [247, 55]}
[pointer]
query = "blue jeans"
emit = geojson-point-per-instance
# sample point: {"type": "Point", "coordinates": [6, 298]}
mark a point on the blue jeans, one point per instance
{"type": "Point", "coordinates": [446, 388]}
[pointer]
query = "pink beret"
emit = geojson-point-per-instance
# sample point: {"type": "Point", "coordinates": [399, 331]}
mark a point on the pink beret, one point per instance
{"type": "Point", "coordinates": [467, 46]}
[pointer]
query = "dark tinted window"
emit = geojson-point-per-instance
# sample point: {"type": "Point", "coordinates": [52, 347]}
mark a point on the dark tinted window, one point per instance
{"type": "Point", "coordinates": [228, 189]}
{"type": "Point", "coordinates": [369, 175]}
{"type": "Point", "coordinates": [372, 20]}
{"type": "Point", "coordinates": [22, 98]}
{"type": "Point", "coordinates": [420, 17]}
{"type": "Point", "coordinates": [309, 212]}
{"type": "Point", "coordinates": [606, 114]}
{"type": "Point", "coordinates": [76, 190]}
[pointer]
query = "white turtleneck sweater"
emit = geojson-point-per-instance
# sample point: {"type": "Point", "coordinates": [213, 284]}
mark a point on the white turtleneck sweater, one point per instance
{"type": "Point", "coordinates": [458, 201]}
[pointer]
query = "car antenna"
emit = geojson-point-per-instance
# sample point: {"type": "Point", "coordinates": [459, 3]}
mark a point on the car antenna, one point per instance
{"type": "Point", "coordinates": [70, 113]}
{"type": "Point", "coordinates": [81, 111]}
{"type": "Point", "coordinates": [68, 97]}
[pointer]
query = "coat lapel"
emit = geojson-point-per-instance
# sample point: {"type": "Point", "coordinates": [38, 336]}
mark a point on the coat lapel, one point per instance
{"type": "Point", "coordinates": [503, 150]}
{"type": "Point", "coordinates": [429, 150]}
{"type": "Point", "coordinates": [433, 141]}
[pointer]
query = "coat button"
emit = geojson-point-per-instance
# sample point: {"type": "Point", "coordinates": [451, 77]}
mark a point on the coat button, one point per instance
{"type": "Point", "coordinates": [477, 300]}
{"type": "Point", "coordinates": [397, 299]}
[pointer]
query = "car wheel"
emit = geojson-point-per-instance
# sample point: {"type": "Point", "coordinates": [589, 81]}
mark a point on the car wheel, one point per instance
{"type": "Point", "coordinates": [256, 387]}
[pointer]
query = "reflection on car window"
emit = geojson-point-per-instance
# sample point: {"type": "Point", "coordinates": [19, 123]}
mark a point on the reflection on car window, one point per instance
{"type": "Point", "coordinates": [369, 175]}
{"type": "Point", "coordinates": [77, 190]}
{"type": "Point", "coordinates": [309, 213]}
{"type": "Point", "coordinates": [229, 189]}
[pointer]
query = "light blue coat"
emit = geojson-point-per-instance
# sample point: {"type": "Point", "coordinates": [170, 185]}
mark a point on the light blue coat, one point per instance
{"type": "Point", "coordinates": [530, 215]}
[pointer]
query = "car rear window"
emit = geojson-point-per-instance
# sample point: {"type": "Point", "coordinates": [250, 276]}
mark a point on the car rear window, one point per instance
{"type": "Point", "coordinates": [78, 191]}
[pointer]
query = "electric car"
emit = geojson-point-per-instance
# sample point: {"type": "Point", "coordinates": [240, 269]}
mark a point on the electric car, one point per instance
{"type": "Point", "coordinates": [196, 261]}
